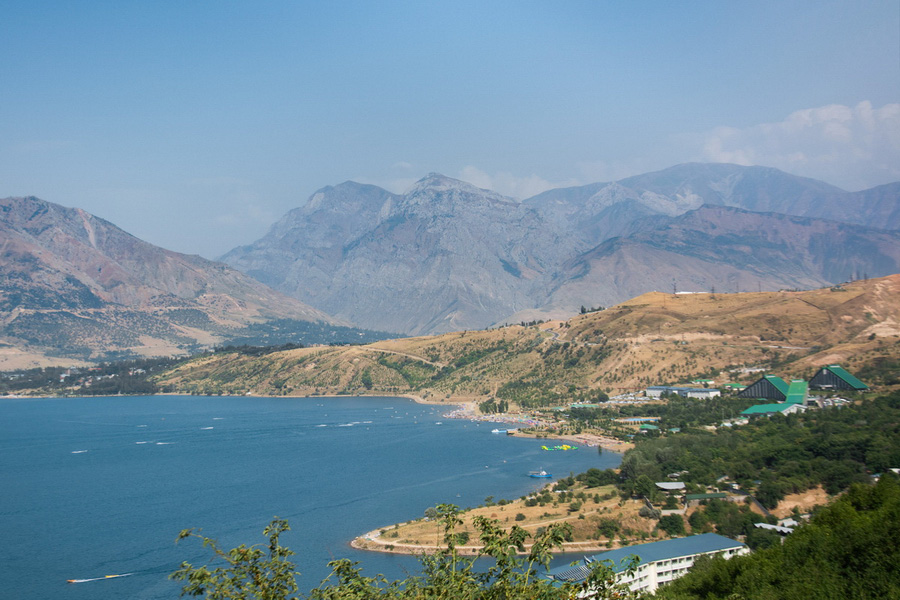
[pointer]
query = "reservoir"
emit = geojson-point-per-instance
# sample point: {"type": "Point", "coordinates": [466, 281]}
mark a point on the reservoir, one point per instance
{"type": "Point", "coordinates": [99, 486]}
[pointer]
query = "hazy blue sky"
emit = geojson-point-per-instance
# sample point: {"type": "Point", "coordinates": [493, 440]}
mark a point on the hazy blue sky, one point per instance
{"type": "Point", "coordinates": [194, 125]}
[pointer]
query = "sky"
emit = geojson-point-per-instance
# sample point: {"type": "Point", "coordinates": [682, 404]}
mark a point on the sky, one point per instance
{"type": "Point", "coordinates": [195, 125]}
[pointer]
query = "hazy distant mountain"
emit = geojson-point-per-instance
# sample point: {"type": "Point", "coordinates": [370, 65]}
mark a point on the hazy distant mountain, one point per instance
{"type": "Point", "coordinates": [445, 256]}
{"type": "Point", "coordinates": [76, 285]}
{"type": "Point", "coordinates": [601, 211]}
{"type": "Point", "coordinates": [448, 256]}
{"type": "Point", "coordinates": [724, 249]}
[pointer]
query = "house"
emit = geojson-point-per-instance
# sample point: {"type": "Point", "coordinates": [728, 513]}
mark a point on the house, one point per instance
{"type": "Point", "coordinates": [658, 562]}
{"type": "Point", "coordinates": [834, 377]}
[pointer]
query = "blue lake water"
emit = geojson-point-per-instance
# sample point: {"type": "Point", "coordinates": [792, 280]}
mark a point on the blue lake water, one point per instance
{"type": "Point", "coordinates": [97, 486]}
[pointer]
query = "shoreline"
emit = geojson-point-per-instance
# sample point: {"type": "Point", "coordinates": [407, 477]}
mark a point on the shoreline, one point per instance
{"type": "Point", "coordinates": [464, 409]}
{"type": "Point", "coordinates": [371, 542]}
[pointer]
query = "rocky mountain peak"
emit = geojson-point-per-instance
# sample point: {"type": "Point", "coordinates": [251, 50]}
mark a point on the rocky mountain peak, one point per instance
{"type": "Point", "coordinates": [434, 188]}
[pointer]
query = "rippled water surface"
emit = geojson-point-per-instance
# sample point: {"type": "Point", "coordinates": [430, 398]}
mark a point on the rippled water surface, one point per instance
{"type": "Point", "coordinates": [99, 486]}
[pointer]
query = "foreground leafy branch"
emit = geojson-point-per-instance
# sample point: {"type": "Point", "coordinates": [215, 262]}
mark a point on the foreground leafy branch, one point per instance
{"type": "Point", "coordinates": [250, 573]}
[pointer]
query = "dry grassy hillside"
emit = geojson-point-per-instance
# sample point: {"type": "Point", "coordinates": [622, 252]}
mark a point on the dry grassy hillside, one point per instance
{"type": "Point", "coordinates": [655, 338]}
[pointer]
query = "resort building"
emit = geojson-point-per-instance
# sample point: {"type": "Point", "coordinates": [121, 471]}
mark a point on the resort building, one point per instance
{"type": "Point", "coordinates": [655, 391]}
{"type": "Point", "coordinates": [770, 387]}
{"type": "Point", "coordinates": [658, 562]}
{"type": "Point", "coordinates": [795, 398]}
{"type": "Point", "coordinates": [767, 410]}
{"type": "Point", "coordinates": [798, 392]}
{"type": "Point", "coordinates": [834, 377]}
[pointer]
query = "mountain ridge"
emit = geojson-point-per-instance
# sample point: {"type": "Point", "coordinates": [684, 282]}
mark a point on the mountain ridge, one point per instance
{"type": "Point", "coordinates": [447, 255]}
{"type": "Point", "coordinates": [78, 286]}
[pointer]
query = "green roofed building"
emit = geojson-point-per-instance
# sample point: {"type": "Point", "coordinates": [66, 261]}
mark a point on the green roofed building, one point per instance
{"type": "Point", "coordinates": [733, 387]}
{"type": "Point", "coordinates": [779, 408]}
{"type": "Point", "coordinates": [834, 377]}
{"type": "Point", "coordinates": [770, 387]}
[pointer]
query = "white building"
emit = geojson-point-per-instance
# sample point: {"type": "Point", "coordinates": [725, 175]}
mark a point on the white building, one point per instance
{"type": "Point", "coordinates": [655, 391]}
{"type": "Point", "coordinates": [658, 562]}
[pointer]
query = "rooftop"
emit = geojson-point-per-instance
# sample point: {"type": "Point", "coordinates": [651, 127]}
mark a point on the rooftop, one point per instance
{"type": "Point", "coordinates": [670, 485]}
{"type": "Point", "coordinates": [850, 379]}
{"type": "Point", "coordinates": [764, 409]}
{"type": "Point", "coordinates": [797, 391]}
{"type": "Point", "coordinates": [780, 384]}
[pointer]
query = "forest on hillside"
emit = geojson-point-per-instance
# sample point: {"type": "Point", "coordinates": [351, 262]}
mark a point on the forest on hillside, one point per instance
{"type": "Point", "coordinates": [782, 454]}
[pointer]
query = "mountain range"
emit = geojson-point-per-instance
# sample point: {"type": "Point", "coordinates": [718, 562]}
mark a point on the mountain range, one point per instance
{"type": "Point", "coordinates": [444, 256]}
{"type": "Point", "coordinates": [78, 287]}
{"type": "Point", "coordinates": [448, 256]}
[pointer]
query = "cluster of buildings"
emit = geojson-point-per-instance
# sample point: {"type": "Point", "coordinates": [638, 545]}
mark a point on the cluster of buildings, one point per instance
{"type": "Point", "coordinates": [793, 396]}
{"type": "Point", "coordinates": [786, 396]}
{"type": "Point", "coordinates": [661, 562]}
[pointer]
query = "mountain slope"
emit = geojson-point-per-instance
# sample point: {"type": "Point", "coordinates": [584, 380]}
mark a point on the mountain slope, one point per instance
{"type": "Point", "coordinates": [445, 256]}
{"type": "Point", "coordinates": [653, 339]}
{"type": "Point", "coordinates": [76, 285]}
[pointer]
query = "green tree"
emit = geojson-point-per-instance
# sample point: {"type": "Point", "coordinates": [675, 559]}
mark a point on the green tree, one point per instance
{"type": "Point", "coordinates": [251, 573]}
{"type": "Point", "coordinates": [644, 486]}
{"type": "Point", "coordinates": [366, 379]}
{"type": "Point", "coordinates": [672, 524]}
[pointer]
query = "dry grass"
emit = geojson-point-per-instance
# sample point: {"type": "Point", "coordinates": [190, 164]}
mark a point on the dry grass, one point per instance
{"type": "Point", "coordinates": [653, 339]}
{"type": "Point", "coordinates": [424, 535]}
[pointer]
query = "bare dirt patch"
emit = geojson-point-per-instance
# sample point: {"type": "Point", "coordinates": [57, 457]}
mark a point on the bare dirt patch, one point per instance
{"type": "Point", "coordinates": [804, 501]}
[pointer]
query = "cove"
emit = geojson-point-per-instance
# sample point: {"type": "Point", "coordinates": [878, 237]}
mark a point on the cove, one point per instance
{"type": "Point", "coordinates": [100, 486]}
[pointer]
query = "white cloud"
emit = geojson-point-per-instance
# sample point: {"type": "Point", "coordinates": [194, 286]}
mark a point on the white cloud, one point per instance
{"type": "Point", "coordinates": [852, 147]}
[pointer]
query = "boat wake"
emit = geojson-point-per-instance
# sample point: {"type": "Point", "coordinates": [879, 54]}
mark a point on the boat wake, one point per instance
{"type": "Point", "coordinates": [98, 578]}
